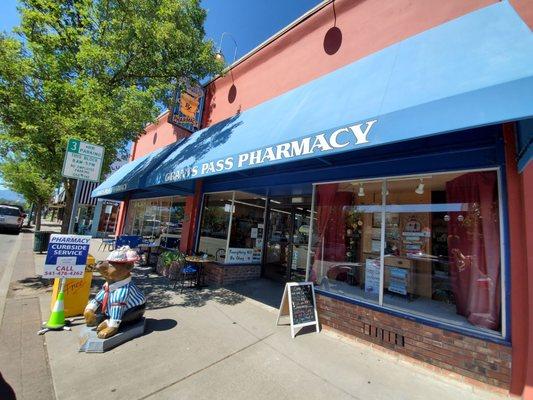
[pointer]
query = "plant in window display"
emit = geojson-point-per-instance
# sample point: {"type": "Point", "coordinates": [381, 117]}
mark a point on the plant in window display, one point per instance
{"type": "Point", "coordinates": [354, 225]}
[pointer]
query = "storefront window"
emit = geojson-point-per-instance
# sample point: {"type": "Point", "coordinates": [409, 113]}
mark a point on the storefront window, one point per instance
{"type": "Point", "coordinates": [214, 227]}
{"type": "Point", "coordinates": [232, 227]}
{"type": "Point", "coordinates": [347, 239]}
{"type": "Point", "coordinates": [441, 252]}
{"type": "Point", "coordinates": [156, 218]}
{"type": "Point", "coordinates": [108, 218]}
{"type": "Point", "coordinates": [247, 228]}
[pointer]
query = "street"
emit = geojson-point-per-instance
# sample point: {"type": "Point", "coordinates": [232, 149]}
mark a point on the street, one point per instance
{"type": "Point", "coordinates": [7, 243]}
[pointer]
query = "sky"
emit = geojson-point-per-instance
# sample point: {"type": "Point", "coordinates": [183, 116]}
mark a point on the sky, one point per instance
{"type": "Point", "coordinates": [248, 22]}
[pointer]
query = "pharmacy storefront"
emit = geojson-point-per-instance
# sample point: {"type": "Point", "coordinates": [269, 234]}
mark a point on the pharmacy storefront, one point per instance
{"type": "Point", "coordinates": [390, 193]}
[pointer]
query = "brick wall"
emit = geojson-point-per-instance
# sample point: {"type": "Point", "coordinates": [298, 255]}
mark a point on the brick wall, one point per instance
{"type": "Point", "coordinates": [463, 356]}
{"type": "Point", "coordinates": [219, 274]}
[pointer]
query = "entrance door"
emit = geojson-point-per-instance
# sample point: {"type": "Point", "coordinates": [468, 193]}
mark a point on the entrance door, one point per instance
{"type": "Point", "coordinates": [287, 239]}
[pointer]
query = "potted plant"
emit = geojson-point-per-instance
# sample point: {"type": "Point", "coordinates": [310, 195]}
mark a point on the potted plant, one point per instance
{"type": "Point", "coordinates": [171, 262]}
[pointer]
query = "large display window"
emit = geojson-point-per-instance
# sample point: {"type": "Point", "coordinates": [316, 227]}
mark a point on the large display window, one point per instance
{"type": "Point", "coordinates": [153, 218]}
{"type": "Point", "coordinates": [232, 227]}
{"type": "Point", "coordinates": [426, 245]}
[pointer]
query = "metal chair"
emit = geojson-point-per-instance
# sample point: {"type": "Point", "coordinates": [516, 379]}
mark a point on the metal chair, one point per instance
{"type": "Point", "coordinates": [107, 244]}
{"type": "Point", "coordinates": [187, 273]}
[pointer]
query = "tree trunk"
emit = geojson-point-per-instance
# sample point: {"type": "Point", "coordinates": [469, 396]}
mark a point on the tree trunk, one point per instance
{"type": "Point", "coordinates": [38, 210]}
{"type": "Point", "coordinates": [70, 190]}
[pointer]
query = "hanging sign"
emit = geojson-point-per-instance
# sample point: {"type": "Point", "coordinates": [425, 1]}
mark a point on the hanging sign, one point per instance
{"type": "Point", "coordinates": [66, 256]}
{"type": "Point", "coordinates": [299, 303]}
{"type": "Point", "coordinates": [83, 161]}
{"type": "Point", "coordinates": [187, 106]}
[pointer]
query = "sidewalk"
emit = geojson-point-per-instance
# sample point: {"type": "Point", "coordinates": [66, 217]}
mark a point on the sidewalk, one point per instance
{"type": "Point", "coordinates": [24, 360]}
{"type": "Point", "coordinates": [220, 343]}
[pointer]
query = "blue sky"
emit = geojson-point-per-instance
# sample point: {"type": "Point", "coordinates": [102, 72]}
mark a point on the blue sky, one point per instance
{"type": "Point", "coordinates": [249, 22]}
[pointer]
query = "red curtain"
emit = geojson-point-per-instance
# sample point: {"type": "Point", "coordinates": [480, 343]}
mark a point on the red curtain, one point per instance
{"type": "Point", "coordinates": [330, 225]}
{"type": "Point", "coordinates": [474, 248]}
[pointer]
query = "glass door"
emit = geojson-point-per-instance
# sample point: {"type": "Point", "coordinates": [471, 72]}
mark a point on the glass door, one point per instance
{"type": "Point", "coordinates": [287, 239]}
{"type": "Point", "coordinates": [278, 242]}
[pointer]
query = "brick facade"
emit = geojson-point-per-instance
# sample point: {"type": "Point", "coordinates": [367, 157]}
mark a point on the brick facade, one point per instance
{"type": "Point", "coordinates": [219, 274]}
{"type": "Point", "coordinates": [469, 357]}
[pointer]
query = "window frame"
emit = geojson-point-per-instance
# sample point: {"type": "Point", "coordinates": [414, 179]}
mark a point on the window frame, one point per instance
{"type": "Point", "coordinates": [133, 210]}
{"type": "Point", "coordinates": [498, 337]}
{"type": "Point", "coordinates": [230, 222]}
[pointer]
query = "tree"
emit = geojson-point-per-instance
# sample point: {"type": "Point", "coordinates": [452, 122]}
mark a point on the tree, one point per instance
{"type": "Point", "coordinates": [96, 70]}
{"type": "Point", "coordinates": [22, 177]}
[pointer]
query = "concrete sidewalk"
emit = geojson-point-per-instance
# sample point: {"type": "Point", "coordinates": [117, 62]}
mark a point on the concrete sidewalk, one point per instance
{"type": "Point", "coordinates": [220, 343]}
{"type": "Point", "coordinates": [23, 356]}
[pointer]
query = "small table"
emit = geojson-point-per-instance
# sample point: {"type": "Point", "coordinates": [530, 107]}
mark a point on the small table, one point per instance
{"type": "Point", "coordinates": [148, 247]}
{"type": "Point", "coordinates": [200, 262]}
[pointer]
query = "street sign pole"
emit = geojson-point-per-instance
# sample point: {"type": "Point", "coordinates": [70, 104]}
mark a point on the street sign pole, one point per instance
{"type": "Point", "coordinates": [74, 210]}
{"type": "Point", "coordinates": [83, 162]}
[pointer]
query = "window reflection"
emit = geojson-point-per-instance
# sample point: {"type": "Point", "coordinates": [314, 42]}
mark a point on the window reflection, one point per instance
{"type": "Point", "coordinates": [158, 219]}
{"type": "Point", "coordinates": [347, 239]}
{"type": "Point", "coordinates": [441, 249]}
{"type": "Point", "coordinates": [215, 224]}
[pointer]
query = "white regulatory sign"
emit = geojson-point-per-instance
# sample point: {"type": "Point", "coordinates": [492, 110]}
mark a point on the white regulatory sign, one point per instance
{"type": "Point", "coordinates": [83, 161]}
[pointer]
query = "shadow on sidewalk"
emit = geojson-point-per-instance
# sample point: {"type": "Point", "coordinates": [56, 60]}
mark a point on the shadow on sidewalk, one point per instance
{"type": "Point", "coordinates": [159, 325]}
{"type": "Point", "coordinates": [160, 293]}
{"type": "Point", "coordinates": [6, 391]}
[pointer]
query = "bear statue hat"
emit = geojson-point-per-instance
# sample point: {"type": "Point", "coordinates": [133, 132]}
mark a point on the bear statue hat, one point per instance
{"type": "Point", "coordinates": [123, 255]}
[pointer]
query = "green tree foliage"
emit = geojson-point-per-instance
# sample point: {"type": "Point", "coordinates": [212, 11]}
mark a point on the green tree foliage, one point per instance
{"type": "Point", "coordinates": [23, 177]}
{"type": "Point", "coordinates": [96, 70]}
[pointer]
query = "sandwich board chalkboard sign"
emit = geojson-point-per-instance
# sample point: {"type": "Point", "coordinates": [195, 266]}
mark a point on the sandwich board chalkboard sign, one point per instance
{"type": "Point", "coordinates": [299, 303]}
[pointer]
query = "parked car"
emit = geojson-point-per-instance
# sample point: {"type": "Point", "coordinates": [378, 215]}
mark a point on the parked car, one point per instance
{"type": "Point", "coordinates": [11, 218]}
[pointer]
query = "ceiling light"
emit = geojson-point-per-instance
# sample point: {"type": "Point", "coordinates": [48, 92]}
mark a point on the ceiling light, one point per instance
{"type": "Point", "coordinates": [420, 187]}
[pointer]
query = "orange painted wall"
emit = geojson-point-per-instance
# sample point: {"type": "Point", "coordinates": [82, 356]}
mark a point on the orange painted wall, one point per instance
{"type": "Point", "coordinates": [527, 190]}
{"type": "Point", "coordinates": [299, 55]}
{"type": "Point", "coordinates": [525, 10]}
{"type": "Point", "coordinates": [519, 187]}
{"type": "Point", "coordinates": [159, 134]}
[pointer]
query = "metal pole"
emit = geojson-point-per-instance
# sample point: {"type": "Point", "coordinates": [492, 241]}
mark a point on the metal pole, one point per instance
{"type": "Point", "coordinates": [310, 239]}
{"type": "Point", "coordinates": [62, 285]}
{"type": "Point", "coordinates": [74, 210]}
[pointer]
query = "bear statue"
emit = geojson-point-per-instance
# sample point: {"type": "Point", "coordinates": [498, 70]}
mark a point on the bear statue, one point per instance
{"type": "Point", "coordinates": [119, 300]}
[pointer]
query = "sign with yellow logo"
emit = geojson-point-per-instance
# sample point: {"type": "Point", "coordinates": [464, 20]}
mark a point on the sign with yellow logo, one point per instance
{"type": "Point", "coordinates": [187, 108]}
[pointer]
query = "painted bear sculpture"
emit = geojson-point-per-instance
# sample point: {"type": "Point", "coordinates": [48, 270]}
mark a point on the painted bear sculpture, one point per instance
{"type": "Point", "coordinates": [119, 301]}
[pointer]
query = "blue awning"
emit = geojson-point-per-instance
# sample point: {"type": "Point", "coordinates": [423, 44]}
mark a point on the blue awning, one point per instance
{"type": "Point", "coordinates": [130, 177]}
{"type": "Point", "coordinates": [473, 71]}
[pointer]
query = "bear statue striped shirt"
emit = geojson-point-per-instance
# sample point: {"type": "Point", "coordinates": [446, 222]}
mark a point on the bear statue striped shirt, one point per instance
{"type": "Point", "coordinates": [122, 296]}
